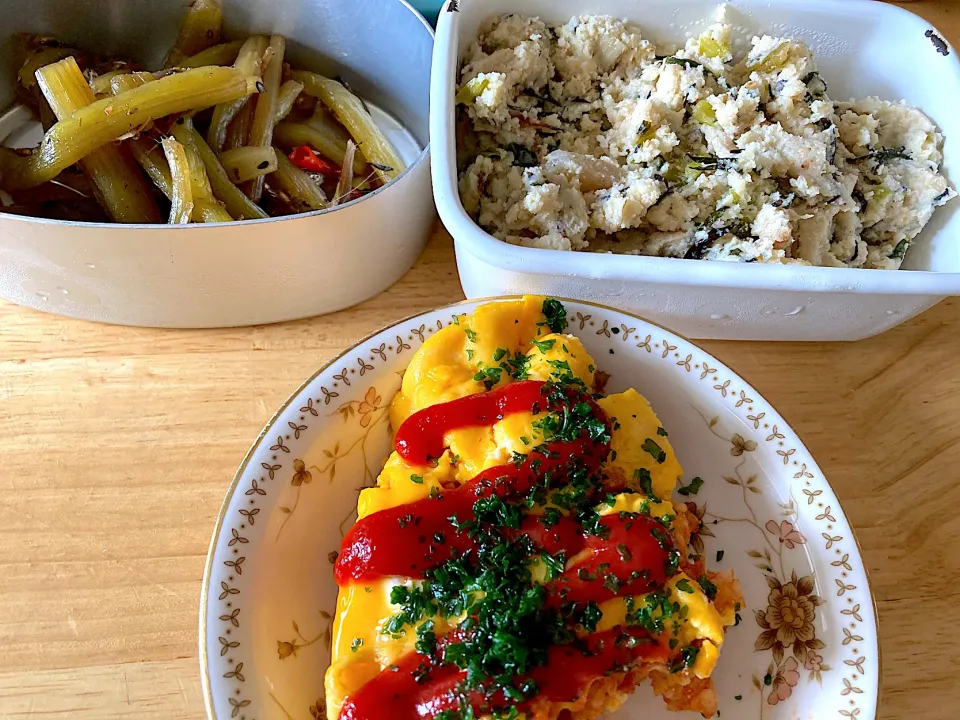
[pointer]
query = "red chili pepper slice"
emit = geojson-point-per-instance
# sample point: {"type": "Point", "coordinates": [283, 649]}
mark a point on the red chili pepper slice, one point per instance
{"type": "Point", "coordinates": [306, 159]}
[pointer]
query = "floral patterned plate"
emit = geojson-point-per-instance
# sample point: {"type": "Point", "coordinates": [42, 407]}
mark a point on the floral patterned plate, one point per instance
{"type": "Point", "coordinates": [805, 650]}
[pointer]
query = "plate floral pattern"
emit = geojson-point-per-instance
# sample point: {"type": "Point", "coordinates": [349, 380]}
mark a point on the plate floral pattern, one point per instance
{"type": "Point", "coordinates": [806, 646]}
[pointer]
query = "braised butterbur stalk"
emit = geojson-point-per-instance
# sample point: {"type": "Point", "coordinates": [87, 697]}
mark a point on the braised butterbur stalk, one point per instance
{"type": "Point", "coordinates": [345, 184]}
{"type": "Point", "coordinates": [121, 188]}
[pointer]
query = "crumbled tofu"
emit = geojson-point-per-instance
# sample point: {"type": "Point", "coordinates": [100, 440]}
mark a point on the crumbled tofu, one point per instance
{"type": "Point", "coordinates": [773, 231]}
{"type": "Point", "coordinates": [624, 206]}
{"type": "Point", "coordinates": [585, 136]}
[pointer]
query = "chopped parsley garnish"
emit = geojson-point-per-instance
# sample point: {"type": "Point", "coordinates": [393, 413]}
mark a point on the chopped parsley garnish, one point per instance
{"type": "Point", "coordinates": [551, 517]}
{"type": "Point", "coordinates": [709, 589]}
{"type": "Point", "coordinates": [572, 424]}
{"type": "Point", "coordinates": [356, 644]}
{"type": "Point", "coordinates": [589, 616]}
{"type": "Point", "coordinates": [661, 537]}
{"type": "Point", "coordinates": [661, 432]}
{"type": "Point", "coordinates": [495, 511]}
{"type": "Point", "coordinates": [488, 376]}
{"type": "Point", "coordinates": [421, 673]}
{"type": "Point", "coordinates": [555, 314]}
{"type": "Point", "coordinates": [586, 575]}
{"type": "Point", "coordinates": [719, 555]}
{"type": "Point", "coordinates": [509, 626]}
{"type": "Point", "coordinates": [590, 521]}
{"type": "Point", "coordinates": [688, 656]}
{"type": "Point", "coordinates": [562, 371]}
{"type": "Point", "coordinates": [684, 586]}
{"type": "Point", "coordinates": [544, 346]}
{"type": "Point", "coordinates": [554, 564]}
{"type": "Point", "coordinates": [529, 689]}
{"type": "Point", "coordinates": [643, 477]}
{"type": "Point", "coordinates": [418, 479]}
{"type": "Point", "coordinates": [417, 603]}
{"type": "Point", "coordinates": [693, 488]}
{"type": "Point", "coordinates": [426, 639]}
{"type": "Point", "coordinates": [650, 445]}
{"type": "Point", "coordinates": [655, 610]}
{"type": "Point", "coordinates": [471, 334]}
{"type": "Point", "coordinates": [517, 367]}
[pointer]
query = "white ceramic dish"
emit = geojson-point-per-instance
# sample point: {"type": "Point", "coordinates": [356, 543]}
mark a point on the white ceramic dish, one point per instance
{"type": "Point", "coordinates": [268, 588]}
{"type": "Point", "coordinates": [236, 273]}
{"type": "Point", "coordinates": [863, 48]}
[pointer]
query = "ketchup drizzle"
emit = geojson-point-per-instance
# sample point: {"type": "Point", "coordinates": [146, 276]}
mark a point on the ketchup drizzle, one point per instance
{"type": "Point", "coordinates": [398, 695]}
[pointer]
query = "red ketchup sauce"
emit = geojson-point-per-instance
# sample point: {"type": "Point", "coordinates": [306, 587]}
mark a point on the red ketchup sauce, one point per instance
{"type": "Point", "coordinates": [397, 695]}
{"type": "Point", "coordinates": [420, 438]}
{"type": "Point", "coordinates": [411, 539]}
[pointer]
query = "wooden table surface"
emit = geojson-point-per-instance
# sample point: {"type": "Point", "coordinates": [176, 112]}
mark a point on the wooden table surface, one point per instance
{"type": "Point", "coordinates": [113, 465]}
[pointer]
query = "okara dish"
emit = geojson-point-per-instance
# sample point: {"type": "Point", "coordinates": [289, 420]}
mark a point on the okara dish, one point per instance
{"type": "Point", "coordinates": [520, 554]}
{"type": "Point", "coordinates": [586, 136]}
{"type": "Point", "coordinates": [129, 146]}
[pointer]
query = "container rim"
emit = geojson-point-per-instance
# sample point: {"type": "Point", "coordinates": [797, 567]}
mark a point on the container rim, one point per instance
{"type": "Point", "coordinates": [471, 238]}
{"type": "Point", "coordinates": [197, 227]}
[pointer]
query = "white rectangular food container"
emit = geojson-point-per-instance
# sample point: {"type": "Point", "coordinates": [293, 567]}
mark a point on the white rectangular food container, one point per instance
{"type": "Point", "coordinates": [862, 48]}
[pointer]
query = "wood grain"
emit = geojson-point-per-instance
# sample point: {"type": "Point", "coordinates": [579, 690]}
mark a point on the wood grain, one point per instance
{"type": "Point", "coordinates": [118, 444]}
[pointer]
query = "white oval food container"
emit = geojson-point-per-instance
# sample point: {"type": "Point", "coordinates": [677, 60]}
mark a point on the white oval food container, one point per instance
{"type": "Point", "coordinates": [236, 273]}
{"type": "Point", "coordinates": [862, 48]}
